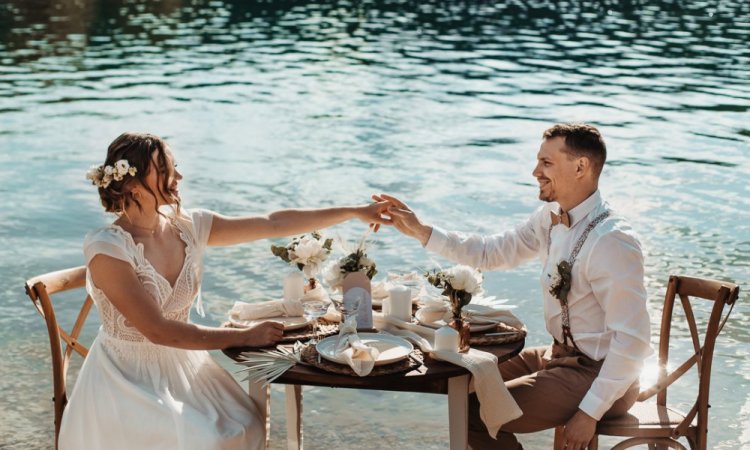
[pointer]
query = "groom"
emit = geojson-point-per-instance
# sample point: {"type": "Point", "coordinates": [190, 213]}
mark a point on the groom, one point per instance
{"type": "Point", "coordinates": [598, 319]}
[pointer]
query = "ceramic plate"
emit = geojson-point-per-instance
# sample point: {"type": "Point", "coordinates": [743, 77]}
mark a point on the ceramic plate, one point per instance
{"type": "Point", "coordinates": [392, 348]}
{"type": "Point", "coordinates": [290, 323]}
{"type": "Point", "coordinates": [473, 327]}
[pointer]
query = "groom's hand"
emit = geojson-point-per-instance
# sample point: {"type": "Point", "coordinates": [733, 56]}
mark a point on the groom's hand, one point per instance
{"type": "Point", "coordinates": [404, 219]}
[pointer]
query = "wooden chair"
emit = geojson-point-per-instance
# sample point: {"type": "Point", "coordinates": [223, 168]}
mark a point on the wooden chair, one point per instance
{"type": "Point", "coordinates": [655, 424]}
{"type": "Point", "coordinates": [39, 289]}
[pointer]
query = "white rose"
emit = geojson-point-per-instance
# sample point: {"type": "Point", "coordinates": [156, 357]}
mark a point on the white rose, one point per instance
{"type": "Point", "coordinates": [108, 170]}
{"type": "Point", "coordinates": [465, 278]}
{"type": "Point", "coordinates": [132, 171]}
{"type": "Point", "coordinates": [310, 253]}
{"type": "Point", "coordinates": [122, 167]}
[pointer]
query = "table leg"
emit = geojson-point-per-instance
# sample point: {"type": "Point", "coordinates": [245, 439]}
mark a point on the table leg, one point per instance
{"type": "Point", "coordinates": [294, 417]}
{"type": "Point", "coordinates": [261, 397]}
{"type": "Point", "coordinates": [458, 412]}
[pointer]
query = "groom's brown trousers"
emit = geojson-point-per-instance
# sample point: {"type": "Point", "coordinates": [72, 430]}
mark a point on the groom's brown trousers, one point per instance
{"type": "Point", "coordinates": [548, 383]}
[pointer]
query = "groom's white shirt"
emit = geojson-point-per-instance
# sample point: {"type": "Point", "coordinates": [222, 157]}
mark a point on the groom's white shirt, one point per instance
{"type": "Point", "coordinates": [607, 300]}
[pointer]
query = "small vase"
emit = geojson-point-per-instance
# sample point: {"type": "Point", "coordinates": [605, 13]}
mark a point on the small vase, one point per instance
{"type": "Point", "coordinates": [464, 333]}
{"type": "Point", "coordinates": [312, 283]}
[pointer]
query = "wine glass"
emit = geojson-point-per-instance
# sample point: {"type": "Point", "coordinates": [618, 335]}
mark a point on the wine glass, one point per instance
{"type": "Point", "coordinates": [313, 310]}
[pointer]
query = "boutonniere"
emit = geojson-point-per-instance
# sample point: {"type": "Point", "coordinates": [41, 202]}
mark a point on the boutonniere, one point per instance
{"type": "Point", "coordinates": [561, 281]}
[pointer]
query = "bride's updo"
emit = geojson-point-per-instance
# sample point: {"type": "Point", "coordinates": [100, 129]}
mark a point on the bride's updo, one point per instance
{"type": "Point", "coordinates": [137, 150]}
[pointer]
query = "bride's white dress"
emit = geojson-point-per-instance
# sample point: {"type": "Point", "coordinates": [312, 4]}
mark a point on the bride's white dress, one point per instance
{"type": "Point", "coordinates": [132, 394]}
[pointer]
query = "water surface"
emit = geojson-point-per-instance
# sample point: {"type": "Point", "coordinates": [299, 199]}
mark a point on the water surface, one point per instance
{"type": "Point", "coordinates": [284, 104]}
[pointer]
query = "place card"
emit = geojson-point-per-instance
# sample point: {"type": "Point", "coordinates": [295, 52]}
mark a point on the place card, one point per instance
{"type": "Point", "coordinates": [356, 288]}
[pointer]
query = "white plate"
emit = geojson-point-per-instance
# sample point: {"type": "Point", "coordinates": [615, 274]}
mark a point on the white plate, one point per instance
{"type": "Point", "coordinates": [290, 323]}
{"type": "Point", "coordinates": [392, 348]}
{"type": "Point", "coordinates": [473, 327]}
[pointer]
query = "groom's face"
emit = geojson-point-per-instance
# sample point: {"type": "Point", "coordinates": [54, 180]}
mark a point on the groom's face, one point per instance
{"type": "Point", "coordinates": [555, 170]}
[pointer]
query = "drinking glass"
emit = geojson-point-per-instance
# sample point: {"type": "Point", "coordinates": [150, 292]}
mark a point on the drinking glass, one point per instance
{"type": "Point", "coordinates": [313, 310]}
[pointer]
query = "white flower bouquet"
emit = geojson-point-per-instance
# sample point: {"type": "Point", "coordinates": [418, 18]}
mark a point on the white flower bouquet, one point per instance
{"type": "Point", "coordinates": [356, 261]}
{"type": "Point", "coordinates": [459, 284]}
{"type": "Point", "coordinates": [306, 252]}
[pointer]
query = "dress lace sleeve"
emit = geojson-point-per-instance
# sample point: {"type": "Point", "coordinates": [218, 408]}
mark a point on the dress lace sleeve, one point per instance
{"type": "Point", "coordinates": [202, 220]}
{"type": "Point", "coordinates": [106, 242]}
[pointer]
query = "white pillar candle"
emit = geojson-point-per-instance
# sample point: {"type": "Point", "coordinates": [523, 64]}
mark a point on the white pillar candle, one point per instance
{"type": "Point", "coordinates": [400, 304]}
{"type": "Point", "coordinates": [386, 307]}
{"type": "Point", "coordinates": [446, 339]}
{"type": "Point", "coordinates": [294, 286]}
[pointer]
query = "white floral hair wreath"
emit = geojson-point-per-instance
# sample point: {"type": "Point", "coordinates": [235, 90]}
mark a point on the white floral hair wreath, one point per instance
{"type": "Point", "coordinates": [102, 176]}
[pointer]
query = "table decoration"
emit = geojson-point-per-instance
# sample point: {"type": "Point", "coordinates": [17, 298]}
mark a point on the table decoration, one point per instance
{"type": "Point", "coordinates": [348, 347]}
{"type": "Point", "coordinates": [311, 357]}
{"type": "Point", "coordinates": [400, 301]}
{"type": "Point", "coordinates": [294, 286]}
{"type": "Point", "coordinates": [446, 339]}
{"type": "Point", "coordinates": [264, 366]}
{"type": "Point", "coordinates": [307, 252]}
{"type": "Point", "coordinates": [352, 274]}
{"type": "Point", "coordinates": [459, 283]}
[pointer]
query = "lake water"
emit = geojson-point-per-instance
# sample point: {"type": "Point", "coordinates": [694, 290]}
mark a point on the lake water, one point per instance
{"type": "Point", "coordinates": [280, 104]}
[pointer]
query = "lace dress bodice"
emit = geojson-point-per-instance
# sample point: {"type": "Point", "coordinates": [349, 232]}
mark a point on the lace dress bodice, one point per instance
{"type": "Point", "coordinates": [174, 301]}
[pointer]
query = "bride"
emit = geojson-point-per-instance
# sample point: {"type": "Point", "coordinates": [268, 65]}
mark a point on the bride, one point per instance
{"type": "Point", "coordinates": [148, 381]}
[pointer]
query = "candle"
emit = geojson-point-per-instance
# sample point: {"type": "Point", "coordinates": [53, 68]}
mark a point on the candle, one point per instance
{"type": "Point", "coordinates": [294, 286]}
{"type": "Point", "coordinates": [446, 339]}
{"type": "Point", "coordinates": [400, 304]}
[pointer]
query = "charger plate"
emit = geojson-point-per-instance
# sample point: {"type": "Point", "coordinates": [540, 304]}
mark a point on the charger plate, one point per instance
{"type": "Point", "coordinates": [310, 356]}
{"type": "Point", "coordinates": [391, 348]}
{"type": "Point", "coordinates": [483, 339]}
{"type": "Point", "coordinates": [325, 329]}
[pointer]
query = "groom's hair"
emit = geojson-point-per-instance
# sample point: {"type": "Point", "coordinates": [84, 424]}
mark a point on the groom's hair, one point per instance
{"type": "Point", "coordinates": [581, 140]}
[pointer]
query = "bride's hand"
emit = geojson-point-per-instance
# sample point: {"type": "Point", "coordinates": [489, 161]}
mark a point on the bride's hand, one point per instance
{"type": "Point", "coordinates": [263, 334]}
{"type": "Point", "coordinates": [373, 214]}
{"type": "Point", "coordinates": [404, 219]}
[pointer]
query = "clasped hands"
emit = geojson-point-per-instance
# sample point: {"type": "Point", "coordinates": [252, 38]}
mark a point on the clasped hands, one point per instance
{"type": "Point", "coordinates": [393, 211]}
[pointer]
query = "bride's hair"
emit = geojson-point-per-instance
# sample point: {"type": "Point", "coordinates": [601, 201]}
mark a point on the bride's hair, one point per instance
{"type": "Point", "coordinates": [137, 149]}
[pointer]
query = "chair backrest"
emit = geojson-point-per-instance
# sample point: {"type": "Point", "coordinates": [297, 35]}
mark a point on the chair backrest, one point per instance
{"type": "Point", "coordinates": [688, 290]}
{"type": "Point", "coordinates": [40, 289]}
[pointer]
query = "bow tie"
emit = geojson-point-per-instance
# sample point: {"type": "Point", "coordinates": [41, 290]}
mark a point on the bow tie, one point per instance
{"type": "Point", "coordinates": [562, 218]}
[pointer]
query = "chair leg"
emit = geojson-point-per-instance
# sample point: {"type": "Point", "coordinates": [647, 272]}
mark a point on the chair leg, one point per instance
{"type": "Point", "coordinates": [651, 442]}
{"type": "Point", "coordinates": [559, 438]}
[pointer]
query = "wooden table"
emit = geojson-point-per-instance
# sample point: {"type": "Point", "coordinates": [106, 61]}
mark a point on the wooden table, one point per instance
{"type": "Point", "coordinates": [435, 377]}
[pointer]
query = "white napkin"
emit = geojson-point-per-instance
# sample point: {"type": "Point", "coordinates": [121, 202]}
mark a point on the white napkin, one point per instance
{"type": "Point", "coordinates": [484, 313]}
{"type": "Point", "coordinates": [264, 310]}
{"type": "Point", "coordinates": [496, 406]}
{"type": "Point", "coordinates": [358, 356]}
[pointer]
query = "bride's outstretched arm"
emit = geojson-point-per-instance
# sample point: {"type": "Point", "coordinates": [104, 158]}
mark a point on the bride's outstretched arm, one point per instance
{"type": "Point", "coordinates": [234, 230]}
{"type": "Point", "coordinates": [124, 290]}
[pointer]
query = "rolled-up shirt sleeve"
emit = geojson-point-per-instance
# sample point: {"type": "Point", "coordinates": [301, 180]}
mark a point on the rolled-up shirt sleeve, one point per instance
{"type": "Point", "coordinates": [615, 271]}
{"type": "Point", "coordinates": [497, 251]}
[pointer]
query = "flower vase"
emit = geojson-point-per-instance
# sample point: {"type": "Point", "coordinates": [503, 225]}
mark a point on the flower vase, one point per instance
{"type": "Point", "coordinates": [464, 333]}
{"type": "Point", "coordinates": [312, 283]}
